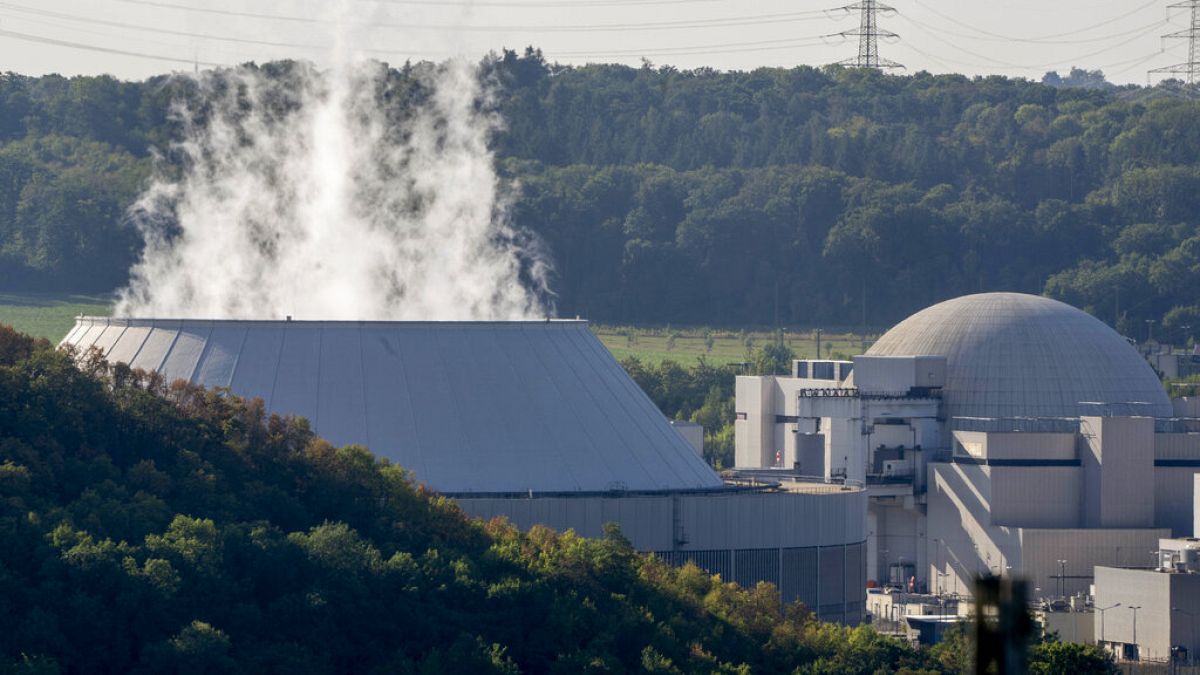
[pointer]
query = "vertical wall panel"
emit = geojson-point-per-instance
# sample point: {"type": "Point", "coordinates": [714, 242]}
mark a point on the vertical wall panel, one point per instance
{"type": "Point", "coordinates": [754, 565]}
{"type": "Point", "coordinates": [831, 567]}
{"type": "Point", "coordinates": [185, 354]}
{"type": "Point", "coordinates": [128, 344]}
{"type": "Point", "coordinates": [154, 350]}
{"type": "Point", "coordinates": [800, 576]}
{"type": "Point", "coordinates": [221, 354]}
{"type": "Point", "coordinates": [297, 381]}
{"type": "Point", "coordinates": [341, 404]}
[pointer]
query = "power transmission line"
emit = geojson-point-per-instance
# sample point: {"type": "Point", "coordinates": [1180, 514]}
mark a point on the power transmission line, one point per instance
{"type": "Point", "coordinates": [868, 35]}
{"type": "Point", "coordinates": [1051, 39]}
{"type": "Point", "coordinates": [726, 22]}
{"type": "Point", "coordinates": [1191, 69]}
{"type": "Point", "coordinates": [932, 33]}
{"type": "Point", "coordinates": [150, 29]}
{"type": "Point", "coordinates": [535, 4]}
{"type": "Point", "coordinates": [27, 37]}
{"type": "Point", "coordinates": [695, 50]}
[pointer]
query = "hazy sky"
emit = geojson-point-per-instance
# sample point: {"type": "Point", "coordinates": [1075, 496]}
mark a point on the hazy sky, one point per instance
{"type": "Point", "coordinates": [1011, 37]}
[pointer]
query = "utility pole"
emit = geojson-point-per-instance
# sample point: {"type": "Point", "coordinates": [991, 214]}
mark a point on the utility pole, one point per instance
{"type": "Point", "coordinates": [1190, 70]}
{"type": "Point", "coordinates": [1135, 608]}
{"type": "Point", "coordinates": [869, 32]}
{"type": "Point", "coordinates": [1102, 610]}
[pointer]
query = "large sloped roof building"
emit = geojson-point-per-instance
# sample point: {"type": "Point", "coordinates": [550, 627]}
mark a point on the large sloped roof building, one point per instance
{"type": "Point", "coordinates": [467, 407]}
{"type": "Point", "coordinates": [1000, 432]}
{"type": "Point", "coordinates": [534, 421]}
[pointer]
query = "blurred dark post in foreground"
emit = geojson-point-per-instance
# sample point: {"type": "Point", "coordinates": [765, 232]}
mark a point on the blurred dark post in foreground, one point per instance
{"type": "Point", "coordinates": [1002, 625]}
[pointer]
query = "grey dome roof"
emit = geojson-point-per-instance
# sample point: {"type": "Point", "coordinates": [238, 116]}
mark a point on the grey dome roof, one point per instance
{"type": "Point", "coordinates": [468, 407]}
{"type": "Point", "coordinates": [1017, 355]}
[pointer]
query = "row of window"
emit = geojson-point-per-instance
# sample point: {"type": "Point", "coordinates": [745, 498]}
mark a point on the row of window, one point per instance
{"type": "Point", "coordinates": [823, 370]}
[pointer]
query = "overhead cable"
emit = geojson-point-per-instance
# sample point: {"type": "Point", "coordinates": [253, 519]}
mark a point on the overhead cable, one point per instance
{"type": "Point", "coordinates": [534, 4]}
{"type": "Point", "coordinates": [27, 37]}
{"type": "Point", "coordinates": [725, 22]}
{"type": "Point", "coordinates": [1042, 38]}
{"type": "Point", "coordinates": [932, 32]}
{"type": "Point", "coordinates": [726, 48]}
{"type": "Point", "coordinates": [150, 29]}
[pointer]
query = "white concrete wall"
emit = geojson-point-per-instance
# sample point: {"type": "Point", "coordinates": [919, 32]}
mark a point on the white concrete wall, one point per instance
{"type": "Point", "coordinates": [754, 428]}
{"type": "Point", "coordinates": [692, 433]}
{"type": "Point", "coordinates": [1030, 445]}
{"type": "Point", "coordinates": [646, 521]}
{"type": "Point", "coordinates": [963, 540]}
{"type": "Point", "coordinates": [898, 374]}
{"type": "Point", "coordinates": [1075, 627]}
{"type": "Point", "coordinates": [1158, 627]}
{"type": "Point", "coordinates": [892, 436]}
{"type": "Point", "coordinates": [702, 521]}
{"type": "Point", "coordinates": [1040, 496]}
{"type": "Point", "coordinates": [1176, 456]}
{"type": "Point", "coordinates": [1117, 454]}
{"type": "Point", "coordinates": [899, 538]}
{"type": "Point", "coordinates": [1174, 499]}
{"type": "Point", "coordinates": [1083, 549]}
{"type": "Point", "coordinates": [960, 540]}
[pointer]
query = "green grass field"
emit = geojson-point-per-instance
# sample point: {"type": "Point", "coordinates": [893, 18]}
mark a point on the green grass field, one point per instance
{"type": "Point", "coordinates": [728, 346]}
{"type": "Point", "coordinates": [49, 315]}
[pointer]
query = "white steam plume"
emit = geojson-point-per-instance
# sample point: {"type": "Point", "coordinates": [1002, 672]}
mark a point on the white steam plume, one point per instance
{"type": "Point", "coordinates": [306, 195]}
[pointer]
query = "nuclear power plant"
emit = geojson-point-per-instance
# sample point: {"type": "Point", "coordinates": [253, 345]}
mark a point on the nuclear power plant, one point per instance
{"type": "Point", "coordinates": [999, 433]}
{"type": "Point", "coordinates": [531, 420]}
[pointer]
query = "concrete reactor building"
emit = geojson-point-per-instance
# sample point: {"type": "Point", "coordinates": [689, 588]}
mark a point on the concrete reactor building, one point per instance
{"type": "Point", "coordinates": [997, 433]}
{"type": "Point", "coordinates": [533, 421]}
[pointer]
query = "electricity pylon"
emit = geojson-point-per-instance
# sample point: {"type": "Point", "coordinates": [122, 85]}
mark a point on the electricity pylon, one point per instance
{"type": "Point", "coordinates": [869, 32]}
{"type": "Point", "coordinates": [1191, 69]}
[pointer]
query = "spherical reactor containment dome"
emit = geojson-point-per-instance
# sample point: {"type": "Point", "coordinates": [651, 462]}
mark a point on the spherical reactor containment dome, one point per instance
{"type": "Point", "coordinates": [1017, 355]}
{"type": "Point", "coordinates": [468, 407]}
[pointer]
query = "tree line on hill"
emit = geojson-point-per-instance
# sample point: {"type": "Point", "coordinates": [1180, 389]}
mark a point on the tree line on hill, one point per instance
{"type": "Point", "coordinates": [793, 196]}
{"type": "Point", "coordinates": [148, 527]}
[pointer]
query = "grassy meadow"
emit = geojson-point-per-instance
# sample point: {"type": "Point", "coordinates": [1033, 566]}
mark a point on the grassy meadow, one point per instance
{"type": "Point", "coordinates": [717, 346]}
{"type": "Point", "coordinates": [51, 315]}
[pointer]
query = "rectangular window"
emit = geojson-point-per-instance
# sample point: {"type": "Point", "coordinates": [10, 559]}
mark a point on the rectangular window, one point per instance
{"type": "Point", "coordinates": [823, 370]}
{"type": "Point", "coordinates": [741, 416]}
{"type": "Point", "coordinates": [846, 369]}
{"type": "Point", "coordinates": [973, 448]}
{"type": "Point", "coordinates": [801, 369]}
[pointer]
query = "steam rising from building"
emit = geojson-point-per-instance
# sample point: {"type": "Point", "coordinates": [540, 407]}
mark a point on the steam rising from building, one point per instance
{"type": "Point", "coordinates": [315, 194]}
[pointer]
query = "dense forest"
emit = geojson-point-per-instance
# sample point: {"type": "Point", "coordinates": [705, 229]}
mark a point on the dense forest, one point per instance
{"type": "Point", "coordinates": [147, 527]}
{"type": "Point", "coordinates": [795, 196]}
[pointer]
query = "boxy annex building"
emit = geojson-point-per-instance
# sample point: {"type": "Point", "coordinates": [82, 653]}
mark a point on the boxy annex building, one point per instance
{"type": "Point", "coordinates": [534, 421]}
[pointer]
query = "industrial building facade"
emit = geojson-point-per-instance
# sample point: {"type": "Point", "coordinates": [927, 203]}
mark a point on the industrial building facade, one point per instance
{"type": "Point", "coordinates": [998, 433]}
{"type": "Point", "coordinates": [808, 540]}
{"type": "Point", "coordinates": [533, 421]}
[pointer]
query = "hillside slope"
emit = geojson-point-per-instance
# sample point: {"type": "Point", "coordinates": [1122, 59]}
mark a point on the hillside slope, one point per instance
{"type": "Point", "coordinates": [155, 528]}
